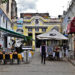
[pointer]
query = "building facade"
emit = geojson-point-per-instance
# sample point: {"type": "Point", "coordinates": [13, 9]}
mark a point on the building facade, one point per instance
{"type": "Point", "coordinates": [68, 15]}
{"type": "Point", "coordinates": [5, 23]}
{"type": "Point", "coordinates": [8, 11]}
{"type": "Point", "coordinates": [67, 18]}
{"type": "Point", "coordinates": [10, 8]}
{"type": "Point", "coordinates": [14, 9]}
{"type": "Point", "coordinates": [33, 24]}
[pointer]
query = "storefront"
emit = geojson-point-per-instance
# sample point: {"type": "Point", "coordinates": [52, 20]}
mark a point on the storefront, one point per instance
{"type": "Point", "coordinates": [8, 33]}
{"type": "Point", "coordinates": [71, 34]}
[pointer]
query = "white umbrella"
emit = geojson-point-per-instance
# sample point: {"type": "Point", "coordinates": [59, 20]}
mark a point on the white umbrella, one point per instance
{"type": "Point", "coordinates": [53, 34]}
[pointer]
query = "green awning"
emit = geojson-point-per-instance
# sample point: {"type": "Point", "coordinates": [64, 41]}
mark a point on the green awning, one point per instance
{"type": "Point", "coordinates": [12, 33]}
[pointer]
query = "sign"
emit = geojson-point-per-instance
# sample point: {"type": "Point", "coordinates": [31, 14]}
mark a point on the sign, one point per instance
{"type": "Point", "coordinates": [19, 25]}
{"type": "Point", "coordinates": [27, 48]}
{"type": "Point", "coordinates": [20, 21]}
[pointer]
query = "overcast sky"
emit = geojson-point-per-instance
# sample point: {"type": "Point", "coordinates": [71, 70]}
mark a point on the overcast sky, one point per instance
{"type": "Point", "coordinates": [53, 7]}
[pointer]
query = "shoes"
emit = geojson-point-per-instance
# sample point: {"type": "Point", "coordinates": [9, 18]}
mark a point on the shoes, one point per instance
{"type": "Point", "coordinates": [43, 63]}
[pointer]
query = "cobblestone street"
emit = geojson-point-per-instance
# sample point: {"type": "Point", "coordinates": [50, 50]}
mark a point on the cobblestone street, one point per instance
{"type": "Point", "coordinates": [36, 68]}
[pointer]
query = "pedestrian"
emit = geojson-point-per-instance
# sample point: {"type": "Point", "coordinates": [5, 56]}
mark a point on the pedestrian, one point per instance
{"type": "Point", "coordinates": [67, 49]}
{"type": "Point", "coordinates": [64, 48]}
{"type": "Point", "coordinates": [43, 50]}
{"type": "Point", "coordinates": [57, 52]}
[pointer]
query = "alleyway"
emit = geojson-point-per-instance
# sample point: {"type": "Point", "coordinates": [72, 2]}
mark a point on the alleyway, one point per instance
{"type": "Point", "coordinates": [36, 68]}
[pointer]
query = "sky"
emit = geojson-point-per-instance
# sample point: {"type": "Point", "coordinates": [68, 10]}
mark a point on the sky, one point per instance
{"type": "Point", "coordinates": [53, 7]}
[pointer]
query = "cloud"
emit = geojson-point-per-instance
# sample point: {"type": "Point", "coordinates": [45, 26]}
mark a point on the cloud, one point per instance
{"type": "Point", "coordinates": [24, 5]}
{"type": "Point", "coordinates": [53, 7]}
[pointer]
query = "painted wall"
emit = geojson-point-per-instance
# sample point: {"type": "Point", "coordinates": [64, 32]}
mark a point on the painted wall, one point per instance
{"type": "Point", "coordinates": [70, 13]}
{"type": "Point", "coordinates": [4, 23]}
{"type": "Point", "coordinates": [30, 23]}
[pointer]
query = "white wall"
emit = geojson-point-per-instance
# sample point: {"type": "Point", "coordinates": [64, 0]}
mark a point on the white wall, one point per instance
{"type": "Point", "coordinates": [71, 14]}
{"type": "Point", "coordinates": [3, 24]}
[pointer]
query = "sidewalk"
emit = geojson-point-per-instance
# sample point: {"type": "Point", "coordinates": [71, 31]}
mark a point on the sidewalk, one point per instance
{"type": "Point", "coordinates": [72, 61]}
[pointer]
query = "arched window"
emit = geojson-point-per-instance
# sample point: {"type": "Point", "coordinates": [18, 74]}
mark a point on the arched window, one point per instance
{"type": "Point", "coordinates": [56, 28]}
{"type": "Point", "coordinates": [36, 21]}
{"type": "Point", "coordinates": [7, 6]}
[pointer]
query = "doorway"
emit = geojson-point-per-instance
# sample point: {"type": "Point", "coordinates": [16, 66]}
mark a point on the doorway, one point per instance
{"type": "Point", "coordinates": [37, 42]}
{"type": "Point", "coordinates": [30, 42]}
{"type": "Point", "coordinates": [5, 41]}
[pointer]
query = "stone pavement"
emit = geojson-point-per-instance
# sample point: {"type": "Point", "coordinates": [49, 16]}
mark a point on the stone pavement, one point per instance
{"type": "Point", "coordinates": [36, 68]}
{"type": "Point", "coordinates": [72, 61]}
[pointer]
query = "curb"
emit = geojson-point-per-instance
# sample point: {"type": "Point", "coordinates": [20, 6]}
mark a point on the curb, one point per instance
{"type": "Point", "coordinates": [71, 62]}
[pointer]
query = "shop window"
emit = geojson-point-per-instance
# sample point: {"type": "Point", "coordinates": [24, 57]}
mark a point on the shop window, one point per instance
{"type": "Point", "coordinates": [37, 29]}
{"type": "Point", "coordinates": [0, 33]}
{"type": "Point", "coordinates": [3, 19]}
{"type": "Point", "coordinates": [56, 28]}
{"type": "Point", "coordinates": [29, 29]}
{"type": "Point", "coordinates": [6, 24]}
{"type": "Point", "coordinates": [44, 29]}
{"type": "Point", "coordinates": [36, 21]}
{"type": "Point", "coordinates": [19, 30]}
{"type": "Point", "coordinates": [7, 7]}
{"type": "Point", "coordinates": [0, 20]}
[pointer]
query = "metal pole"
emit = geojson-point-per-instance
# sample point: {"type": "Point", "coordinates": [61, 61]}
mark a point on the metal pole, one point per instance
{"type": "Point", "coordinates": [46, 44]}
{"type": "Point", "coordinates": [74, 46]}
{"type": "Point", "coordinates": [71, 42]}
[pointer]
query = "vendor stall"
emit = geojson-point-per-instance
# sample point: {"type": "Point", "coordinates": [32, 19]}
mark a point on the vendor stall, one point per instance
{"type": "Point", "coordinates": [53, 38]}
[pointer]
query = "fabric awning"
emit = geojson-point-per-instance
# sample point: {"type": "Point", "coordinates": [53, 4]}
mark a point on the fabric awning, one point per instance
{"type": "Point", "coordinates": [12, 33]}
{"type": "Point", "coordinates": [71, 26]}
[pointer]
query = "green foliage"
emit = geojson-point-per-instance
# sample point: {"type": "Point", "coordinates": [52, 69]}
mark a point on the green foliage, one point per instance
{"type": "Point", "coordinates": [4, 1]}
{"type": "Point", "coordinates": [27, 39]}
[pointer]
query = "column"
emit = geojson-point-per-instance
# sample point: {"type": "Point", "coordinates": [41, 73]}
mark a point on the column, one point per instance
{"type": "Point", "coordinates": [33, 36]}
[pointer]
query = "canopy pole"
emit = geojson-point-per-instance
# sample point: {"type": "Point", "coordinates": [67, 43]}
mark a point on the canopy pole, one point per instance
{"type": "Point", "coordinates": [46, 42]}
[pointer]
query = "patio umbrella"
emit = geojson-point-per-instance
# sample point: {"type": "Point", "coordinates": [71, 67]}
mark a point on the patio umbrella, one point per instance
{"type": "Point", "coordinates": [53, 34]}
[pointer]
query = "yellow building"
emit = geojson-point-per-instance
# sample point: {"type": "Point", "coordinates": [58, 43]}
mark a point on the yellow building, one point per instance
{"type": "Point", "coordinates": [33, 24]}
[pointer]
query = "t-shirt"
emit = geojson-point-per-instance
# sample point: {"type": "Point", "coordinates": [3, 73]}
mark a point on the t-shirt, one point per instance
{"type": "Point", "coordinates": [43, 49]}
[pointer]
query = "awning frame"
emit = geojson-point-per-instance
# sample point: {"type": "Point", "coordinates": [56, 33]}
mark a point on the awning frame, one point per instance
{"type": "Point", "coordinates": [12, 33]}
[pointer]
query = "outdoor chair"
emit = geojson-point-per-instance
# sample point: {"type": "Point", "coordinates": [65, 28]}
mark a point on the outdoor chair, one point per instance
{"type": "Point", "coordinates": [15, 57]}
{"type": "Point", "coordinates": [1, 57]}
{"type": "Point", "coordinates": [7, 59]}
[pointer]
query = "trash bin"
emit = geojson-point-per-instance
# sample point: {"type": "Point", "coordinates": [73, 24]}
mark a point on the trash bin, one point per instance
{"type": "Point", "coordinates": [26, 57]}
{"type": "Point", "coordinates": [27, 54]}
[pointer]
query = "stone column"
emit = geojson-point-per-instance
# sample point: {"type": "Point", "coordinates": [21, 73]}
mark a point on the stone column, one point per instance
{"type": "Point", "coordinates": [33, 36]}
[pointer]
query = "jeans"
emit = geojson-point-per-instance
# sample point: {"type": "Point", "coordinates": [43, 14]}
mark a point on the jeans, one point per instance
{"type": "Point", "coordinates": [43, 57]}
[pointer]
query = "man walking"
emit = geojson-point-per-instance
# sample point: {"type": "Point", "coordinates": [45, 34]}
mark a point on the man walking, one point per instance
{"type": "Point", "coordinates": [43, 52]}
